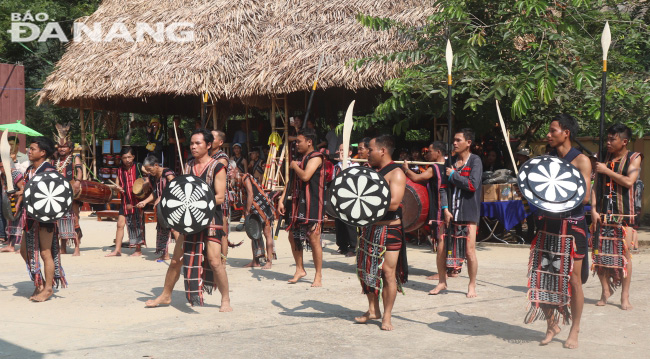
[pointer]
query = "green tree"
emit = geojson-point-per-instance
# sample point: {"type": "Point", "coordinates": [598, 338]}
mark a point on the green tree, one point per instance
{"type": "Point", "coordinates": [536, 57]}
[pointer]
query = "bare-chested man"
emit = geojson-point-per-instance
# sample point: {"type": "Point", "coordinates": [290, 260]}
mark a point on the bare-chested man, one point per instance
{"type": "Point", "coordinates": [462, 212]}
{"type": "Point", "coordinates": [562, 130]}
{"type": "Point", "coordinates": [385, 236]}
{"type": "Point", "coordinates": [218, 154]}
{"type": "Point", "coordinates": [307, 215]}
{"type": "Point", "coordinates": [214, 174]}
{"type": "Point", "coordinates": [613, 206]}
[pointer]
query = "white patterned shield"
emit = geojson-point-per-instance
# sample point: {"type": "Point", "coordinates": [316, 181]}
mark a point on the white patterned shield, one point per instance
{"type": "Point", "coordinates": [48, 197]}
{"type": "Point", "coordinates": [188, 204]}
{"type": "Point", "coordinates": [360, 196]}
{"type": "Point", "coordinates": [552, 184]}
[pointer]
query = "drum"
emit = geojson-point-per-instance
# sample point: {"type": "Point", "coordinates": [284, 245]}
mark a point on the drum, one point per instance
{"type": "Point", "coordinates": [141, 188]}
{"type": "Point", "coordinates": [48, 197]}
{"type": "Point", "coordinates": [114, 173]}
{"type": "Point", "coordinates": [109, 160]}
{"type": "Point", "coordinates": [360, 196]}
{"type": "Point", "coordinates": [415, 206]}
{"type": "Point", "coordinates": [551, 184]}
{"type": "Point", "coordinates": [253, 226]}
{"type": "Point", "coordinates": [105, 173]}
{"type": "Point", "coordinates": [92, 192]}
{"type": "Point", "coordinates": [188, 204]}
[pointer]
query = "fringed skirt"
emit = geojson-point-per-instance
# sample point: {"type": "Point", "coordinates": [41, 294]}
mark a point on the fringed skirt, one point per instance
{"type": "Point", "coordinates": [16, 228]}
{"type": "Point", "coordinates": [32, 241]}
{"type": "Point", "coordinates": [135, 227]}
{"type": "Point", "coordinates": [609, 252]}
{"type": "Point", "coordinates": [300, 234]}
{"type": "Point", "coordinates": [374, 241]}
{"type": "Point", "coordinates": [549, 273]}
{"type": "Point", "coordinates": [456, 246]}
{"type": "Point", "coordinates": [197, 272]}
{"type": "Point", "coordinates": [65, 227]}
{"type": "Point", "coordinates": [163, 236]}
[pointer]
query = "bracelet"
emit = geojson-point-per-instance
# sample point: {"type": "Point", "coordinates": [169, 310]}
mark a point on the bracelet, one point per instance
{"type": "Point", "coordinates": [451, 174]}
{"type": "Point", "coordinates": [445, 207]}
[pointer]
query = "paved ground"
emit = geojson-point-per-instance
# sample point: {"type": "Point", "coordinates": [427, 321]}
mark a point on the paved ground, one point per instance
{"type": "Point", "coordinates": [102, 314]}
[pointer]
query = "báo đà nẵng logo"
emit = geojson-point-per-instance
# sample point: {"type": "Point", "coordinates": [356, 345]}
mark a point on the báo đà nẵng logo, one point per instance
{"type": "Point", "coordinates": [24, 29]}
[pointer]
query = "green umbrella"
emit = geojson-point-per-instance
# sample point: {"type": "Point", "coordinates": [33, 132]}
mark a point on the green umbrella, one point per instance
{"type": "Point", "coordinates": [19, 128]}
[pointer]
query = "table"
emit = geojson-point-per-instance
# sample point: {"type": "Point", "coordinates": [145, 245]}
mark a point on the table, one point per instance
{"type": "Point", "coordinates": [510, 213]}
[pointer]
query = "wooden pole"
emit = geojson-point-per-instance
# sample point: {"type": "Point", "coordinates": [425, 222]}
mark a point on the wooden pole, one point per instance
{"type": "Point", "coordinates": [287, 160]}
{"type": "Point", "coordinates": [248, 140]}
{"type": "Point", "coordinates": [83, 138]}
{"type": "Point", "coordinates": [93, 139]}
{"type": "Point", "coordinates": [214, 116]}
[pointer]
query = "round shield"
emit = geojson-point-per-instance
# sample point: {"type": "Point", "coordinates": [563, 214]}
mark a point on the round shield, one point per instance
{"type": "Point", "coordinates": [253, 226]}
{"type": "Point", "coordinates": [48, 197]}
{"type": "Point", "coordinates": [552, 184]}
{"type": "Point", "coordinates": [188, 204]}
{"type": "Point", "coordinates": [162, 222]}
{"type": "Point", "coordinates": [360, 196]}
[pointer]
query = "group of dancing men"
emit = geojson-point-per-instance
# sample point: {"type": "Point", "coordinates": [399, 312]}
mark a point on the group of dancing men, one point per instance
{"type": "Point", "coordinates": [454, 193]}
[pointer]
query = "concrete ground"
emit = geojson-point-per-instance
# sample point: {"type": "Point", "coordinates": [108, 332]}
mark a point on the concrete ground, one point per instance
{"type": "Point", "coordinates": [101, 314]}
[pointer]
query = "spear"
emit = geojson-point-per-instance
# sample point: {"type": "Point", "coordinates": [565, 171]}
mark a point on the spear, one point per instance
{"type": "Point", "coordinates": [313, 89]}
{"type": "Point", "coordinates": [449, 55]}
{"type": "Point", "coordinates": [605, 41]}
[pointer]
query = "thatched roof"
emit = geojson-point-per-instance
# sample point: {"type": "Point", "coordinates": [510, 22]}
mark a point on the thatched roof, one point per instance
{"type": "Point", "coordinates": [241, 50]}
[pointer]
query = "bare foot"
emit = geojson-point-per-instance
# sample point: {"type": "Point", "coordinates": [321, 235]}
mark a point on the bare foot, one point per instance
{"type": "Point", "coordinates": [433, 277]}
{"type": "Point", "coordinates": [36, 291]}
{"type": "Point", "coordinates": [63, 250]}
{"type": "Point", "coordinates": [7, 249]}
{"type": "Point", "coordinates": [471, 291]}
{"type": "Point", "coordinates": [76, 252]}
{"type": "Point", "coordinates": [453, 274]}
{"type": "Point", "coordinates": [225, 306]}
{"type": "Point", "coordinates": [625, 303]}
{"type": "Point", "coordinates": [136, 254]}
{"type": "Point", "coordinates": [114, 254]}
{"type": "Point", "coordinates": [297, 276]}
{"type": "Point", "coordinates": [438, 289]}
{"type": "Point", "coordinates": [603, 298]}
{"type": "Point", "coordinates": [366, 317]}
{"type": "Point", "coordinates": [253, 263]}
{"type": "Point", "coordinates": [163, 258]}
{"type": "Point", "coordinates": [267, 265]}
{"type": "Point", "coordinates": [318, 281]}
{"type": "Point", "coordinates": [152, 303]}
{"type": "Point", "coordinates": [386, 324]}
{"type": "Point", "coordinates": [572, 340]}
{"type": "Point", "coordinates": [44, 295]}
{"type": "Point", "coordinates": [550, 334]}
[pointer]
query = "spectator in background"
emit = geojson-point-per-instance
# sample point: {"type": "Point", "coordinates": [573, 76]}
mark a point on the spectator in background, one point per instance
{"type": "Point", "coordinates": [403, 155]}
{"type": "Point", "coordinates": [240, 137]}
{"type": "Point", "coordinates": [155, 140]}
{"type": "Point", "coordinates": [491, 161]}
{"type": "Point", "coordinates": [21, 161]}
{"type": "Point", "coordinates": [172, 150]}
{"type": "Point", "coordinates": [333, 138]}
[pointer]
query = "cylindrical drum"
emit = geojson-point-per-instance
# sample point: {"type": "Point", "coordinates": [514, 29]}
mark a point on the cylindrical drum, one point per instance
{"type": "Point", "coordinates": [141, 188]}
{"type": "Point", "coordinates": [415, 206]}
{"type": "Point", "coordinates": [93, 192]}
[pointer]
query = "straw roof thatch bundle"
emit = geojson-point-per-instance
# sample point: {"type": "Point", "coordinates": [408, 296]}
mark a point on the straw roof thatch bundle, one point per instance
{"type": "Point", "coordinates": [241, 49]}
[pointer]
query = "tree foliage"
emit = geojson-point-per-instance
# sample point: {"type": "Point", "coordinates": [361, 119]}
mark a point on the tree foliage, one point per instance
{"type": "Point", "coordinates": [536, 57]}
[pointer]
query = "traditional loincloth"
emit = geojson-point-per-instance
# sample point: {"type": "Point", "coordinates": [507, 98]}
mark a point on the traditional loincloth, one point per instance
{"type": "Point", "coordinates": [198, 274]}
{"type": "Point", "coordinates": [374, 241]}
{"type": "Point", "coordinates": [32, 242]}
{"type": "Point", "coordinates": [163, 236]}
{"type": "Point", "coordinates": [609, 252]}
{"type": "Point", "coordinates": [135, 228]}
{"type": "Point", "coordinates": [549, 269]}
{"type": "Point", "coordinates": [65, 227]}
{"type": "Point", "coordinates": [16, 228]}
{"type": "Point", "coordinates": [301, 233]}
{"type": "Point", "coordinates": [456, 246]}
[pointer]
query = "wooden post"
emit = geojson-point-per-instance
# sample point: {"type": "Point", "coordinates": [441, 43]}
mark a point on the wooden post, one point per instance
{"type": "Point", "coordinates": [93, 140]}
{"type": "Point", "coordinates": [83, 138]}
{"type": "Point", "coordinates": [214, 116]}
{"type": "Point", "coordinates": [272, 114]}
{"type": "Point", "coordinates": [248, 140]}
{"type": "Point", "coordinates": [287, 160]}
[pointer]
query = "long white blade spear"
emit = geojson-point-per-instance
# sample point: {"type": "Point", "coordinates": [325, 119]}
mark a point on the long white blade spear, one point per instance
{"type": "Point", "coordinates": [605, 41]}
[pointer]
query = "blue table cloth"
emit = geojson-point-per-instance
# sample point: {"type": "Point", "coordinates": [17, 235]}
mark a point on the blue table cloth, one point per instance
{"type": "Point", "coordinates": [509, 213]}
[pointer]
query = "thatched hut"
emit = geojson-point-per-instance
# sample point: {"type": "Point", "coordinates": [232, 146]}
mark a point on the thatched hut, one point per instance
{"type": "Point", "coordinates": [243, 52]}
